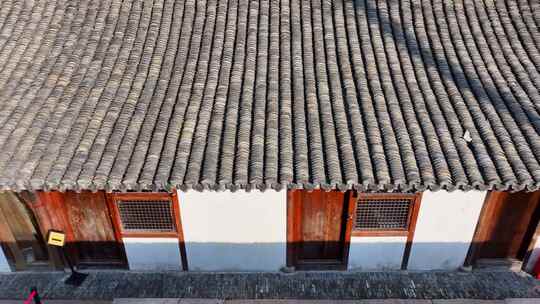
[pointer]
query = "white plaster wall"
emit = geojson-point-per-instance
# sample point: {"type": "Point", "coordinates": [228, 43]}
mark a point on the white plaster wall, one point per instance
{"type": "Point", "coordinates": [4, 265]}
{"type": "Point", "coordinates": [376, 253]}
{"type": "Point", "coordinates": [153, 253]}
{"type": "Point", "coordinates": [445, 228]}
{"type": "Point", "coordinates": [234, 231]}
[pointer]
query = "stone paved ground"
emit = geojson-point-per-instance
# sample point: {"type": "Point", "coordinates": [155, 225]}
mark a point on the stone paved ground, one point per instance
{"type": "Point", "coordinates": [109, 285]}
{"type": "Point", "coordinates": [386, 301]}
{"type": "Point", "coordinates": [213, 301]}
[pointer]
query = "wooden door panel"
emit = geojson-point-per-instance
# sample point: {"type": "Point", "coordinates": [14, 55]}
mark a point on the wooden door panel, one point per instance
{"type": "Point", "coordinates": [503, 225]}
{"type": "Point", "coordinates": [84, 217]}
{"type": "Point", "coordinates": [92, 227]}
{"type": "Point", "coordinates": [322, 225]}
{"type": "Point", "coordinates": [318, 229]}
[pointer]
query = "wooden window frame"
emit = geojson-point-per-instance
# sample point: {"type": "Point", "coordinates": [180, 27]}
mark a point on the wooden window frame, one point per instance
{"type": "Point", "coordinates": [112, 198]}
{"type": "Point", "coordinates": [144, 196]}
{"type": "Point", "coordinates": [411, 220]}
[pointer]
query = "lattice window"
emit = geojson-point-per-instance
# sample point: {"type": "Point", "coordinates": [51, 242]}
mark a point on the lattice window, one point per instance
{"type": "Point", "coordinates": [376, 214]}
{"type": "Point", "coordinates": [146, 216]}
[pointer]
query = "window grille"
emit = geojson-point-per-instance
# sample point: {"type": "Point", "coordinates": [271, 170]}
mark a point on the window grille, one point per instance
{"type": "Point", "coordinates": [383, 214]}
{"type": "Point", "coordinates": [146, 216]}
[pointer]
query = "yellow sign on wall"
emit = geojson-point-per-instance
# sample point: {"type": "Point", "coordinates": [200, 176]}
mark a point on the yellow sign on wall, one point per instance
{"type": "Point", "coordinates": [56, 238]}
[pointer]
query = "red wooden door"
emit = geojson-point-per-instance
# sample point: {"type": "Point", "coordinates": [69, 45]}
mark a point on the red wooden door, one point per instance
{"type": "Point", "coordinates": [85, 218]}
{"type": "Point", "coordinates": [506, 225]}
{"type": "Point", "coordinates": [92, 228]}
{"type": "Point", "coordinates": [318, 229]}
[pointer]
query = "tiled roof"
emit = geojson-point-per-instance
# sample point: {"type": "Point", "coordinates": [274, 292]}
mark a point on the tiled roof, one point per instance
{"type": "Point", "coordinates": [380, 95]}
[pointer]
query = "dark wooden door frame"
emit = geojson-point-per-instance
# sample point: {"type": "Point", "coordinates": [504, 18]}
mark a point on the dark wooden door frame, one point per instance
{"type": "Point", "coordinates": [480, 232]}
{"type": "Point", "coordinates": [483, 228]}
{"type": "Point", "coordinates": [293, 219]}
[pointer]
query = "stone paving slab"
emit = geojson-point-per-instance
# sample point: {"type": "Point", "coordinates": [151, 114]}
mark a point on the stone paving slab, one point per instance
{"type": "Point", "coordinates": [109, 285]}
{"type": "Point", "coordinates": [468, 301]}
{"type": "Point", "coordinates": [379, 301]}
{"type": "Point", "coordinates": [146, 301]}
{"type": "Point", "coordinates": [215, 301]}
{"type": "Point", "coordinates": [167, 301]}
{"type": "Point", "coordinates": [57, 302]}
{"type": "Point", "coordinates": [382, 301]}
{"type": "Point", "coordinates": [201, 301]}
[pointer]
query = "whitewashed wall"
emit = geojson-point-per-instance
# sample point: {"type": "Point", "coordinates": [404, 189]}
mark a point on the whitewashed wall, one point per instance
{"type": "Point", "coordinates": [376, 253]}
{"type": "Point", "coordinates": [153, 253]}
{"type": "Point", "coordinates": [445, 228]}
{"type": "Point", "coordinates": [4, 266]}
{"type": "Point", "coordinates": [235, 231]}
{"type": "Point", "coordinates": [246, 231]}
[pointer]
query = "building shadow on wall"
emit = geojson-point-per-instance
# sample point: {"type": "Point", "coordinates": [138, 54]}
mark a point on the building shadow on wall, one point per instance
{"type": "Point", "coordinates": [361, 255]}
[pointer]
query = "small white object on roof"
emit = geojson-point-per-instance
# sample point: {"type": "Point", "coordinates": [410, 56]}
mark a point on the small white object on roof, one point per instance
{"type": "Point", "coordinates": [467, 136]}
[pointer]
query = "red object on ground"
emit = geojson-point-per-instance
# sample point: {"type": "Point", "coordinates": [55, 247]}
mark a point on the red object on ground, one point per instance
{"type": "Point", "coordinates": [30, 297]}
